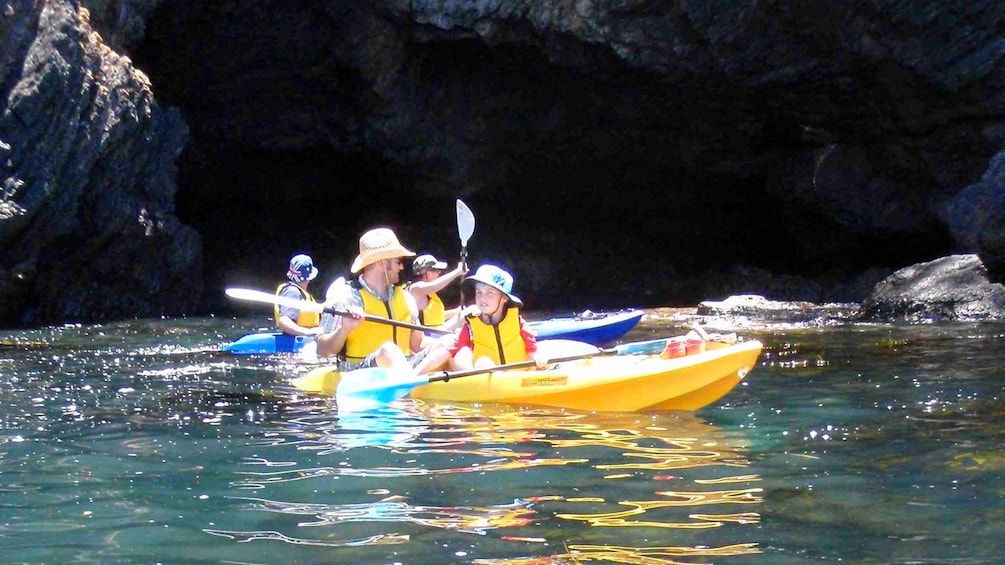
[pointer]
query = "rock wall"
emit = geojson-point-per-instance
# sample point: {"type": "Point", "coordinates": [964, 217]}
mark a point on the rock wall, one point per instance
{"type": "Point", "coordinates": [87, 222]}
{"type": "Point", "coordinates": [649, 152]}
{"type": "Point", "coordinates": [954, 288]}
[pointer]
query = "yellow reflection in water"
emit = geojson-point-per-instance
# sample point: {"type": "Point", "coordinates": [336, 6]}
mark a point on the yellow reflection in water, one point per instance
{"type": "Point", "coordinates": [639, 507]}
{"type": "Point", "coordinates": [663, 555]}
{"type": "Point", "coordinates": [645, 555]}
{"type": "Point", "coordinates": [688, 444]}
{"type": "Point", "coordinates": [609, 457]}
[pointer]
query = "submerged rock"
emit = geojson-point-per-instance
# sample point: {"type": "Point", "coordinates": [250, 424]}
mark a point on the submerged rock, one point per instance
{"type": "Point", "coordinates": [752, 307]}
{"type": "Point", "coordinates": [946, 289]}
{"type": "Point", "coordinates": [748, 304]}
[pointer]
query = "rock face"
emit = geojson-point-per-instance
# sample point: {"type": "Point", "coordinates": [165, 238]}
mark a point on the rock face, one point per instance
{"type": "Point", "coordinates": [745, 309]}
{"type": "Point", "coordinates": [976, 217]}
{"type": "Point", "coordinates": [947, 289]}
{"type": "Point", "coordinates": [87, 222]}
{"type": "Point", "coordinates": [630, 152]}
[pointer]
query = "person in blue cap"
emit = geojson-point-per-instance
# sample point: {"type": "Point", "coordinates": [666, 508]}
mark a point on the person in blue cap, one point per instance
{"type": "Point", "coordinates": [290, 320]}
{"type": "Point", "coordinates": [494, 333]}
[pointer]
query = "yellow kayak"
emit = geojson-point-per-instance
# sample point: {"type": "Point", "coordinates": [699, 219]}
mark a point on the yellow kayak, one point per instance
{"type": "Point", "coordinates": [622, 383]}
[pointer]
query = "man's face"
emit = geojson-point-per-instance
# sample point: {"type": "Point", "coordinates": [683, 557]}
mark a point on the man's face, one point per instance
{"type": "Point", "coordinates": [392, 268]}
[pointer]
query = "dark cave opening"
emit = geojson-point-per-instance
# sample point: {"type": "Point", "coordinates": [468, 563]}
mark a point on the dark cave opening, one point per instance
{"type": "Point", "coordinates": [583, 181]}
{"type": "Point", "coordinates": [256, 210]}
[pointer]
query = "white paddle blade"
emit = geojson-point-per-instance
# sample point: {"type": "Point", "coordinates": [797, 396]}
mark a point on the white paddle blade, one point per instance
{"type": "Point", "coordinates": [268, 298]}
{"type": "Point", "coordinates": [465, 222]}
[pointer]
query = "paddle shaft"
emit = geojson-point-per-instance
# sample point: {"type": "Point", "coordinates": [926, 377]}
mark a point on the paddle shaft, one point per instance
{"type": "Point", "coordinates": [465, 229]}
{"type": "Point", "coordinates": [445, 376]}
{"type": "Point", "coordinates": [389, 322]}
{"type": "Point", "coordinates": [460, 289]}
{"type": "Point", "coordinates": [260, 296]}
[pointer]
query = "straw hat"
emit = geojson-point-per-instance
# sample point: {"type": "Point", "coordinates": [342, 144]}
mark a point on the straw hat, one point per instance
{"type": "Point", "coordinates": [376, 245]}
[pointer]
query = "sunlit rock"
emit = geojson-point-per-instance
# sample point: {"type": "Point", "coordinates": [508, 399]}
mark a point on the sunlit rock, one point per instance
{"type": "Point", "coordinates": [950, 288]}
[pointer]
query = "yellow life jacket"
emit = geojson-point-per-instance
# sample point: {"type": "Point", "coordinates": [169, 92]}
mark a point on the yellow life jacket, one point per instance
{"type": "Point", "coordinates": [502, 342]}
{"type": "Point", "coordinates": [434, 314]}
{"type": "Point", "coordinates": [305, 318]}
{"type": "Point", "coordinates": [369, 335]}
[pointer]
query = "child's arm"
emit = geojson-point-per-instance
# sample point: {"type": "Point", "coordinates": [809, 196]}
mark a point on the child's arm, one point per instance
{"type": "Point", "coordinates": [462, 339]}
{"type": "Point", "coordinates": [530, 342]}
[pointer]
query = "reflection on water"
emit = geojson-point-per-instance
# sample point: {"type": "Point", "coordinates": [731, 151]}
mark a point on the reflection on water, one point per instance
{"type": "Point", "coordinates": [560, 472]}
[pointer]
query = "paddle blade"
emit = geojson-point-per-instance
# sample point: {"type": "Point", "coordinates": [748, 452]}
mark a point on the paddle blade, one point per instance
{"type": "Point", "coordinates": [376, 386]}
{"type": "Point", "coordinates": [269, 298]}
{"type": "Point", "coordinates": [360, 389]}
{"type": "Point", "coordinates": [323, 380]}
{"type": "Point", "coordinates": [465, 222]}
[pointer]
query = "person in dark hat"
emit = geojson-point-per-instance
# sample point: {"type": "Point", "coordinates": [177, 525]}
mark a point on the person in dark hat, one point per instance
{"type": "Point", "coordinates": [291, 320]}
{"type": "Point", "coordinates": [428, 272]}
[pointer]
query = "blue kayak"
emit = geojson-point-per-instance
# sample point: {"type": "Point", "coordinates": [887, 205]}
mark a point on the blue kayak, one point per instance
{"type": "Point", "coordinates": [596, 328]}
{"type": "Point", "coordinates": [267, 343]}
{"type": "Point", "coordinates": [590, 327]}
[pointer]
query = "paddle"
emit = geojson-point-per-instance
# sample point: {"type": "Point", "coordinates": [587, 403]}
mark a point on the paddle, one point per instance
{"type": "Point", "coordinates": [375, 386]}
{"type": "Point", "coordinates": [268, 298]}
{"type": "Point", "coordinates": [465, 229]}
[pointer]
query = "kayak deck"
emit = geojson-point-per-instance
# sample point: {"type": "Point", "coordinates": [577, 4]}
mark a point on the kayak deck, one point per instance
{"type": "Point", "coordinates": [616, 383]}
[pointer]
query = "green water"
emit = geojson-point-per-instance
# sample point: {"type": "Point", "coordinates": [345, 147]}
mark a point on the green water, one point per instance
{"type": "Point", "coordinates": [139, 443]}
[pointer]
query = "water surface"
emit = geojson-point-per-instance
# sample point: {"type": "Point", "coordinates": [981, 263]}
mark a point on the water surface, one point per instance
{"type": "Point", "coordinates": [140, 443]}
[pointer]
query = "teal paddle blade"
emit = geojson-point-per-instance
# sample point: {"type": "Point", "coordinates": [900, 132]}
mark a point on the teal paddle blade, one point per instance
{"type": "Point", "coordinates": [375, 387]}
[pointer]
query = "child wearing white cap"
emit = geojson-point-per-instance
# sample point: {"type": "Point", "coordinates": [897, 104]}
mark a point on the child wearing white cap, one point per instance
{"type": "Point", "coordinates": [496, 333]}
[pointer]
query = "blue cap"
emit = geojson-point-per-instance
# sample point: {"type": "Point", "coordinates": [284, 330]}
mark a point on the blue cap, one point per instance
{"type": "Point", "coordinates": [498, 279]}
{"type": "Point", "coordinates": [302, 268]}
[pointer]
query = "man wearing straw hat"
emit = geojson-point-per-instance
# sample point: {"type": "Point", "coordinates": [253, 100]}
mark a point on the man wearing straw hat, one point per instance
{"type": "Point", "coordinates": [360, 343]}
